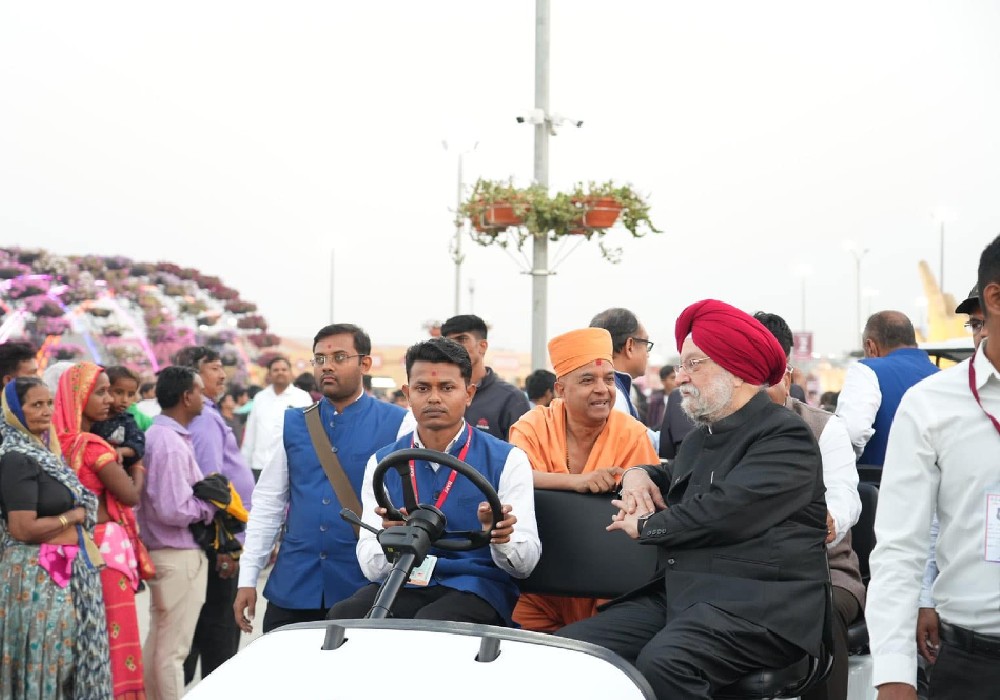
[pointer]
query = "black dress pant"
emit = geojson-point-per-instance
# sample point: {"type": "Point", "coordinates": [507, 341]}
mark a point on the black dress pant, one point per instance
{"type": "Point", "coordinates": [961, 675]}
{"type": "Point", "coordinates": [217, 637]}
{"type": "Point", "coordinates": [276, 616]}
{"type": "Point", "coordinates": [693, 655]}
{"type": "Point", "coordinates": [846, 609]}
{"type": "Point", "coordinates": [423, 603]}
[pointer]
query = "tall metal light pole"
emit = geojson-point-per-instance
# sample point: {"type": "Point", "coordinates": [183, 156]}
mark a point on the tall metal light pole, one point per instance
{"type": "Point", "coordinates": [941, 278]}
{"type": "Point", "coordinates": [459, 225]}
{"type": "Point", "coordinates": [540, 256]}
{"type": "Point", "coordinates": [858, 256]}
{"type": "Point", "coordinates": [803, 272]}
{"type": "Point", "coordinates": [331, 288]}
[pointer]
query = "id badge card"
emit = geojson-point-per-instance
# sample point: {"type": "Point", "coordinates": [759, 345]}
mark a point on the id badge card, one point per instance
{"type": "Point", "coordinates": [421, 576]}
{"type": "Point", "coordinates": [993, 524]}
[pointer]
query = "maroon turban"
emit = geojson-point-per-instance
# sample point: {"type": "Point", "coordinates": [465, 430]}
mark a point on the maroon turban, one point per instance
{"type": "Point", "coordinates": [734, 340]}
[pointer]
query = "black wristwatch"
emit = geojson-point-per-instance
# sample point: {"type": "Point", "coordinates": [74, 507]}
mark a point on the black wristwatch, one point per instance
{"type": "Point", "coordinates": [641, 522]}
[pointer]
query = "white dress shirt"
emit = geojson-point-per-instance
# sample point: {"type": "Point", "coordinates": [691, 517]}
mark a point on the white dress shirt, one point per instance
{"type": "Point", "coordinates": [270, 503]}
{"type": "Point", "coordinates": [859, 401]}
{"type": "Point", "coordinates": [840, 474]}
{"type": "Point", "coordinates": [931, 570]}
{"type": "Point", "coordinates": [266, 423]}
{"type": "Point", "coordinates": [942, 456]}
{"type": "Point", "coordinates": [517, 557]}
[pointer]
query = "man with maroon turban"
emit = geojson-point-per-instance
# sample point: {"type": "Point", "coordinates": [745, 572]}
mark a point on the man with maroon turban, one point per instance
{"type": "Point", "coordinates": [738, 519]}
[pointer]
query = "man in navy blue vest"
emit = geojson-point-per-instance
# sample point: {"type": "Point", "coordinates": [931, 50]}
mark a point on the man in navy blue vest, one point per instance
{"type": "Point", "coordinates": [476, 586]}
{"type": "Point", "coordinates": [874, 386]}
{"type": "Point", "coordinates": [316, 565]}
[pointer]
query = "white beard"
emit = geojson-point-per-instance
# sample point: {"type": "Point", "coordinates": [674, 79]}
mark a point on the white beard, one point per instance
{"type": "Point", "coordinates": [705, 407]}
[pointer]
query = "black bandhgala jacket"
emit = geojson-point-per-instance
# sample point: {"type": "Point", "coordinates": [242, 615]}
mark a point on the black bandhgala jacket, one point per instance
{"type": "Point", "coordinates": [745, 523]}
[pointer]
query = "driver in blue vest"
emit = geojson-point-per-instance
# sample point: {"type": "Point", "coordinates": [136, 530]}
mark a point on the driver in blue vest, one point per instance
{"type": "Point", "coordinates": [474, 586]}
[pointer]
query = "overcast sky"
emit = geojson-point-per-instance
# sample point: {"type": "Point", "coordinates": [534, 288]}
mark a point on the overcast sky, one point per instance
{"type": "Point", "coordinates": [250, 139]}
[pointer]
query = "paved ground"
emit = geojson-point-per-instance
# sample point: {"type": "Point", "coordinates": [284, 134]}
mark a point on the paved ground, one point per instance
{"type": "Point", "coordinates": [142, 611]}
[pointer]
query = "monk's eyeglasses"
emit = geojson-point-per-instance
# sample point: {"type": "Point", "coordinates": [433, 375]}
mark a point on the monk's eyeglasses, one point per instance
{"type": "Point", "coordinates": [693, 364]}
{"type": "Point", "coordinates": [975, 324]}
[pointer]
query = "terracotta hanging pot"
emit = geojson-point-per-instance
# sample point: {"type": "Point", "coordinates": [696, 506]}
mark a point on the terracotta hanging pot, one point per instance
{"type": "Point", "coordinates": [599, 212]}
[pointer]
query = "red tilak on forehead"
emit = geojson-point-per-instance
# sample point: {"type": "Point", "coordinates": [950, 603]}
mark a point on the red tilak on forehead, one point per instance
{"type": "Point", "coordinates": [434, 374]}
{"type": "Point", "coordinates": [598, 362]}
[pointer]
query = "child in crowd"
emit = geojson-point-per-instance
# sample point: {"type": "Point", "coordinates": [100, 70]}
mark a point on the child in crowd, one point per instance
{"type": "Point", "coordinates": [120, 429]}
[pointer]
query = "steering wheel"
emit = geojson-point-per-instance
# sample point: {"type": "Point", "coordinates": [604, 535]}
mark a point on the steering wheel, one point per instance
{"type": "Point", "coordinates": [400, 461]}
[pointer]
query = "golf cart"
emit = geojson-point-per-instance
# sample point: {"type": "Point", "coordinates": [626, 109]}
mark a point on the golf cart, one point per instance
{"type": "Point", "coordinates": [356, 658]}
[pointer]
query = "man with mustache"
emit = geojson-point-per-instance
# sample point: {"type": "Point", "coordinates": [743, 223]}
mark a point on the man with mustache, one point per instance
{"type": "Point", "coordinates": [474, 586]}
{"type": "Point", "coordinates": [738, 520]}
{"type": "Point", "coordinates": [577, 443]}
{"type": "Point", "coordinates": [316, 565]}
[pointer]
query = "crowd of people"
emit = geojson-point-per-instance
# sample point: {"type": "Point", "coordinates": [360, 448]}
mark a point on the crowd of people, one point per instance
{"type": "Point", "coordinates": [749, 494]}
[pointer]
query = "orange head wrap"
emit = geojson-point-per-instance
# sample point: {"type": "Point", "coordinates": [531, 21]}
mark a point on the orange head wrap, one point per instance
{"type": "Point", "coordinates": [573, 350]}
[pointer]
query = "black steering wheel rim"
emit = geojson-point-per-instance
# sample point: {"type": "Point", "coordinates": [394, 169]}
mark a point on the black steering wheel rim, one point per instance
{"type": "Point", "coordinates": [400, 461]}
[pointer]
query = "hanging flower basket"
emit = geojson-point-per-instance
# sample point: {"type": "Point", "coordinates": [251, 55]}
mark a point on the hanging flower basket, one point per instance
{"type": "Point", "coordinates": [499, 215]}
{"type": "Point", "coordinates": [495, 206]}
{"type": "Point", "coordinates": [598, 212]}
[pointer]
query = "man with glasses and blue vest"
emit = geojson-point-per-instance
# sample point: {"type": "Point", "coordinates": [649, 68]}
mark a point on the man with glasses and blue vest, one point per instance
{"type": "Point", "coordinates": [316, 565]}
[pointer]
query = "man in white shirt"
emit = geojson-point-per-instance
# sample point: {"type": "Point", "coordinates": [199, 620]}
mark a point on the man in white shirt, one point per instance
{"type": "Point", "coordinates": [843, 508]}
{"type": "Point", "coordinates": [266, 423]}
{"type": "Point", "coordinates": [928, 640]}
{"type": "Point", "coordinates": [942, 457]}
{"type": "Point", "coordinates": [477, 585]}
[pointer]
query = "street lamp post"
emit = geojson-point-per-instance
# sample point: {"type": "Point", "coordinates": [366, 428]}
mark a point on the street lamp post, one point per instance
{"type": "Point", "coordinates": [941, 279]}
{"type": "Point", "coordinates": [331, 286]}
{"type": "Point", "coordinates": [803, 272]}
{"type": "Point", "coordinates": [540, 244]}
{"type": "Point", "coordinates": [459, 225]}
{"type": "Point", "coordinates": [858, 256]}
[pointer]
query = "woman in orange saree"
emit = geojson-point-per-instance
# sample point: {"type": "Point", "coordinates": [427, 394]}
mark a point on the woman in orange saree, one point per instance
{"type": "Point", "coordinates": [82, 399]}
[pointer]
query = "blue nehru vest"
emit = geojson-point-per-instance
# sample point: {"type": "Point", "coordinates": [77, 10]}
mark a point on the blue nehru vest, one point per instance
{"type": "Point", "coordinates": [474, 571]}
{"type": "Point", "coordinates": [896, 372]}
{"type": "Point", "coordinates": [317, 565]}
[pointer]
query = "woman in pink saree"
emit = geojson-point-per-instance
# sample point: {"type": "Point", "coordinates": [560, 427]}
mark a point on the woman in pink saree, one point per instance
{"type": "Point", "coordinates": [82, 399]}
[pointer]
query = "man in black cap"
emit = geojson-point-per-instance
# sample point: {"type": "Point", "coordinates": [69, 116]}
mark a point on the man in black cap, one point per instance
{"type": "Point", "coordinates": [976, 319]}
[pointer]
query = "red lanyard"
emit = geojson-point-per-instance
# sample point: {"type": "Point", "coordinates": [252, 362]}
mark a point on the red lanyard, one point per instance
{"type": "Point", "coordinates": [451, 479]}
{"type": "Point", "coordinates": [975, 391]}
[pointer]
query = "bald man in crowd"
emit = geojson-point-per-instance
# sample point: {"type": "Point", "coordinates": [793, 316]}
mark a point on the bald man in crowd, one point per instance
{"type": "Point", "coordinates": [874, 386]}
{"type": "Point", "coordinates": [577, 443]}
{"type": "Point", "coordinates": [738, 520]}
